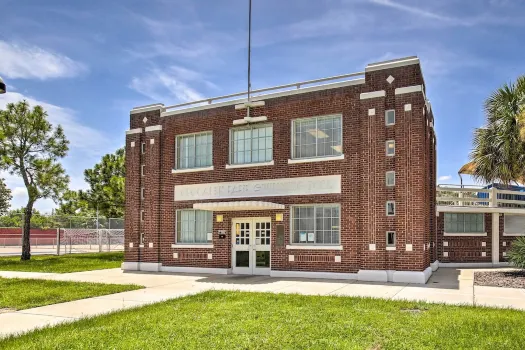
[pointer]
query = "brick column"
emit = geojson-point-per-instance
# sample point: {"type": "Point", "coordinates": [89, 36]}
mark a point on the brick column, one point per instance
{"type": "Point", "coordinates": [132, 208]}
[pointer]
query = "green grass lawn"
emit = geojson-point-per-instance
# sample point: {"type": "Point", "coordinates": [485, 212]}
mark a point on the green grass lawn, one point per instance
{"type": "Point", "coordinates": [236, 320]}
{"type": "Point", "coordinates": [18, 294]}
{"type": "Point", "coordinates": [63, 263]}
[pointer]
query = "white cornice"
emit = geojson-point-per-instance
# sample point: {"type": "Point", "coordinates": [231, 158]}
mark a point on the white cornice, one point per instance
{"type": "Point", "coordinates": [133, 131]}
{"type": "Point", "coordinates": [153, 128]}
{"type": "Point", "coordinates": [147, 108]}
{"type": "Point", "coordinates": [373, 94]}
{"type": "Point", "coordinates": [268, 96]}
{"type": "Point", "coordinates": [392, 64]}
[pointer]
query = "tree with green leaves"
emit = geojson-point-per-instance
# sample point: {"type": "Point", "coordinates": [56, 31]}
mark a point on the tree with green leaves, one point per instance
{"type": "Point", "coordinates": [5, 197]}
{"type": "Point", "coordinates": [106, 185]}
{"type": "Point", "coordinates": [72, 204]}
{"type": "Point", "coordinates": [30, 147]}
{"type": "Point", "coordinates": [498, 154]}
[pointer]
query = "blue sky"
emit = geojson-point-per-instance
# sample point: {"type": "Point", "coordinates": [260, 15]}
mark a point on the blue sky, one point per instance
{"type": "Point", "coordinates": [90, 62]}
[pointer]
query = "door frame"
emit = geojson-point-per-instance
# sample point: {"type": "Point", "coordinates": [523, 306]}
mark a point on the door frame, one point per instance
{"type": "Point", "coordinates": [252, 247]}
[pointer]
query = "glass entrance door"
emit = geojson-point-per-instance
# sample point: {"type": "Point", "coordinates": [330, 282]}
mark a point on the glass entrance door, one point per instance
{"type": "Point", "coordinates": [251, 246]}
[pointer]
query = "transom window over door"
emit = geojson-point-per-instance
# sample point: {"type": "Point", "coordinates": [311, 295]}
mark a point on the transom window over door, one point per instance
{"type": "Point", "coordinates": [194, 150]}
{"type": "Point", "coordinates": [316, 224]}
{"type": "Point", "coordinates": [253, 144]}
{"type": "Point", "coordinates": [194, 226]}
{"type": "Point", "coordinates": [317, 137]}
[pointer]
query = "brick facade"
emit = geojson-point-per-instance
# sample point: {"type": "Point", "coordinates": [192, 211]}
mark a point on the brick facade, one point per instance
{"type": "Point", "coordinates": [363, 194]}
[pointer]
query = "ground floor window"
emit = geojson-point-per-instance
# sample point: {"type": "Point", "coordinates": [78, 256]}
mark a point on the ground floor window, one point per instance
{"type": "Point", "coordinates": [194, 226]}
{"type": "Point", "coordinates": [316, 224]}
{"type": "Point", "coordinates": [514, 224]}
{"type": "Point", "coordinates": [464, 223]}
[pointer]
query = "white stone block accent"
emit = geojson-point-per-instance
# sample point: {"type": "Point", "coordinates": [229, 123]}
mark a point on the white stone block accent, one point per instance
{"type": "Point", "coordinates": [420, 277]}
{"type": "Point", "coordinates": [175, 255]}
{"type": "Point", "coordinates": [151, 141]}
{"type": "Point", "coordinates": [150, 245]}
{"type": "Point", "coordinates": [132, 144]}
{"type": "Point", "coordinates": [435, 265]}
{"type": "Point", "coordinates": [408, 107]}
{"type": "Point", "coordinates": [445, 254]}
{"type": "Point", "coordinates": [291, 258]}
{"type": "Point", "coordinates": [210, 256]}
{"type": "Point", "coordinates": [371, 112]}
{"type": "Point", "coordinates": [131, 244]}
{"type": "Point", "coordinates": [372, 275]}
{"type": "Point", "coordinates": [390, 79]}
{"type": "Point", "coordinates": [408, 247]}
{"type": "Point", "coordinates": [445, 244]}
{"type": "Point", "coordinates": [504, 253]}
{"type": "Point", "coordinates": [338, 258]}
{"type": "Point", "coordinates": [371, 247]}
{"type": "Point", "coordinates": [504, 244]}
{"type": "Point", "coordinates": [483, 253]}
{"type": "Point", "coordinates": [483, 244]}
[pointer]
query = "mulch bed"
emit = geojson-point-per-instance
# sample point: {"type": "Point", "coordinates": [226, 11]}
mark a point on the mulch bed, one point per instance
{"type": "Point", "coordinates": [509, 279]}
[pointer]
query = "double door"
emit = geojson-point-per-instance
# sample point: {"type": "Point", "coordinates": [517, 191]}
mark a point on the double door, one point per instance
{"type": "Point", "coordinates": [251, 246]}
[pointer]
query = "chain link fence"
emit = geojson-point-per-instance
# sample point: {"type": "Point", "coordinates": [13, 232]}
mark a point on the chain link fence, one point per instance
{"type": "Point", "coordinates": [53, 234]}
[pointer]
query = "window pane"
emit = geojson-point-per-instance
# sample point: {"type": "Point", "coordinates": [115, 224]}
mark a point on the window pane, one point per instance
{"type": "Point", "coordinates": [315, 224]}
{"type": "Point", "coordinates": [194, 151]}
{"type": "Point", "coordinates": [254, 145]}
{"type": "Point", "coordinates": [317, 137]}
{"type": "Point", "coordinates": [193, 226]}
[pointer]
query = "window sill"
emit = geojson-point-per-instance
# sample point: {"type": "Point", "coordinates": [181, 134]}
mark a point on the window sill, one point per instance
{"type": "Point", "coordinates": [320, 159]}
{"type": "Point", "coordinates": [203, 246]}
{"type": "Point", "coordinates": [191, 170]}
{"type": "Point", "coordinates": [248, 165]}
{"type": "Point", "coordinates": [513, 234]}
{"type": "Point", "coordinates": [466, 234]}
{"type": "Point", "coordinates": [390, 248]}
{"type": "Point", "coordinates": [315, 247]}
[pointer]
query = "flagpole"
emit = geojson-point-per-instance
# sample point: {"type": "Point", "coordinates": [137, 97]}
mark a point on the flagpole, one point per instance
{"type": "Point", "coordinates": [249, 54]}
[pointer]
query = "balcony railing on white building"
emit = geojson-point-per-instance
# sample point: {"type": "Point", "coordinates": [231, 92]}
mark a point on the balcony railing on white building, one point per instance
{"type": "Point", "coordinates": [475, 196]}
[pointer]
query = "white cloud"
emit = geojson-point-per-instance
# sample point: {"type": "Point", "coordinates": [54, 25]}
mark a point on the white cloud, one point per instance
{"type": "Point", "coordinates": [413, 10]}
{"type": "Point", "coordinates": [444, 178]}
{"type": "Point", "coordinates": [33, 62]}
{"type": "Point", "coordinates": [172, 82]}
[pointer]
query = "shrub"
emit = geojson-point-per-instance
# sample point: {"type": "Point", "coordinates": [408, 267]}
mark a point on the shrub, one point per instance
{"type": "Point", "coordinates": [517, 252]}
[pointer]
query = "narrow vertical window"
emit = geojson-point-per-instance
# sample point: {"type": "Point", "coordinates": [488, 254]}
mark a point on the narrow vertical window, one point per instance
{"type": "Point", "coordinates": [142, 215]}
{"type": "Point", "coordinates": [390, 208]}
{"type": "Point", "coordinates": [390, 239]}
{"type": "Point", "coordinates": [390, 117]}
{"type": "Point", "coordinates": [142, 170]}
{"type": "Point", "coordinates": [142, 238]}
{"type": "Point", "coordinates": [143, 147]}
{"type": "Point", "coordinates": [142, 193]}
{"type": "Point", "coordinates": [390, 148]}
{"type": "Point", "coordinates": [390, 178]}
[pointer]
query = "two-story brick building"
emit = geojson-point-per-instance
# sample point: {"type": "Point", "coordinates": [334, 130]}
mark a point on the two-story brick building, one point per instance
{"type": "Point", "coordinates": [333, 178]}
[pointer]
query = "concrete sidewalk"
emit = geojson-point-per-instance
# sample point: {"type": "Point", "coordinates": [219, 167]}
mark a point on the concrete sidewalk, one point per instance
{"type": "Point", "coordinates": [447, 285]}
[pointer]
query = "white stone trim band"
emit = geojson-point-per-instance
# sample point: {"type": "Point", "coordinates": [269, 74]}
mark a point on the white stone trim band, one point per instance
{"type": "Point", "coordinates": [153, 107]}
{"type": "Point", "coordinates": [409, 89]}
{"type": "Point", "coordinates": [320, 159]}
{"type": "Point", "coordinates": [134, 131]}
{"type": "Point", "coordinates": [314, 247]}
{"type": "Point", "coordinates": [199, 246]}
{"type": "Point", "coordinates": [153, 128]}
{"type": "Point", "coordinates": [373, 94]}
{"type": "Point", "coordinates": [191, 170]}
{"type": "Point", "coordinates": [308, 274]}
{"type": "Point", "coordinates": [248, 165]}
{"type": "Point", "coordinates": [407, 61]}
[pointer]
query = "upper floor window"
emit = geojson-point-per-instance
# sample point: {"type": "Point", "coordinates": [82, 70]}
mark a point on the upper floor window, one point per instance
{"type": "Point", "coordinates": [390, 148]}
{"type": "Point", "coordinates": [194, 226]}
{"type": "Point", "coordinates": [252, 144]}
{"type": "Point", "coordinates": [194, 150]}
{"type": "Point", "coordinates": [390, 117]}
{"type": "Point", "coordinates": [317, 137]}
{"type": "Point", "coordinates": [316, 224]}
{"type": "Point", "coordinates": [464, 223]}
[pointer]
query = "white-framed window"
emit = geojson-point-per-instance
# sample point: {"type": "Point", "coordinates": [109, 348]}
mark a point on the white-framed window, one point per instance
{"type": "Point", "coordinates": [464, 223]}
{"type": "Point", "coordinates": [514, 225]}
{"type": "Point", "coordinates": [316, 224]}
{"type": "Point", "coordinates": [390, 178]}
{"type": "Point", "coordinates": [194, 226]}
{"type": "Point", "coordinates": [390, 238]}
{"type": "Point", "coordinates": [251, 144]}
{"type": "Point", "coordinates": [390, 208]}
{"type": "Point", "coordinates": [142, 193]}
{"type": "Point", "coordinates": [194, 150]}
{"type": "Point", "coordinates": [143, 147]}
{"type": "Point", "coordinates": [390, 117]}
{"type": "Point", "coordinates": [142, 170]}
{"type": "Point", "coordinates": [390, 148]}
{"type": "Point", "coordinates": [142, 215]}
{"type": "Point", "coordinates": [317, 137]}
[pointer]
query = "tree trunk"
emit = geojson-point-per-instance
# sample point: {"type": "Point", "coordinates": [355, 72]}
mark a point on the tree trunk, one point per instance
{"type": "Point", "coordinates": [26, 238]}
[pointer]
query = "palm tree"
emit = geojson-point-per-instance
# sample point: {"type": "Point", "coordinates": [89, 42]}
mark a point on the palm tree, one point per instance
{"type": "Point", "coordinates": [499, 147]}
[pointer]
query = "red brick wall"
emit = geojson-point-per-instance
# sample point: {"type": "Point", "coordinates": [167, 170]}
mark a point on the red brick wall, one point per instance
{"type": "Point", "coordinates": [364, 193]}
